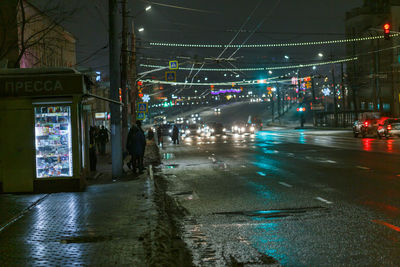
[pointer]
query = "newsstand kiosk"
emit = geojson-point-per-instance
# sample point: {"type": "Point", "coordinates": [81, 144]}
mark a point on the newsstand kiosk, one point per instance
{"type": "Point", "coordinates": [42, 130]}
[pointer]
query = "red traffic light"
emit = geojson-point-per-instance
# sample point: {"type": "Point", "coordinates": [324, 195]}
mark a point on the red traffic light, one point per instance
{"type": "Point", "coordinates": [386, 31]}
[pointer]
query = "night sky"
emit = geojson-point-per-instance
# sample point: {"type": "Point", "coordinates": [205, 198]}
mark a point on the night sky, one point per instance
{"type": "Point", "coordinates": [214, 22]}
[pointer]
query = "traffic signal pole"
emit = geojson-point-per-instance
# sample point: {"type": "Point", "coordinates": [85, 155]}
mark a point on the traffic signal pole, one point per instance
{"type": "Point", "coordinates": [335, 111]}
{"type": "Point", "coordinates": [313, 100]}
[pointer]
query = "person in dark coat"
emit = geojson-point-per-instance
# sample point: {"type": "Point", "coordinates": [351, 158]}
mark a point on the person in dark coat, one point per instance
{"type": "Point", "coordinates": [150, 134]}
{"type": "Point", "coordinates": [175, 135]}
{"type": "Point", "coordinates": [141, 159]}
{"type": "Point", "coordinates": [159, 135]}
{"type": "Point", "coordinates": [92, 148]}
{"type": "Point", "coordinates": [135, 146]}
{"type": "Point", "coordinates": [103, 139]}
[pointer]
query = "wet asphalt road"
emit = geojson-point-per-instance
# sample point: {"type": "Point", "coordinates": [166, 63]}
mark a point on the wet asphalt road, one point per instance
{"type": "Point", "coordinates": [303, 197]}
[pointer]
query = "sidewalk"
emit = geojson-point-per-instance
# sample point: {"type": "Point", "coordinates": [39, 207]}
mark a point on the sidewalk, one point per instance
{"type": "Point", "coordinates": [111, 223]}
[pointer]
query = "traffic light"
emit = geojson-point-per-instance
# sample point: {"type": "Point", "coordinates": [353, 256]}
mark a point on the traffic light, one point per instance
{"type": "Point", "coordinates": [386, 31]}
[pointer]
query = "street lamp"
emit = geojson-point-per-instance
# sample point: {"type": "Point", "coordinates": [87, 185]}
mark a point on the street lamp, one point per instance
{"type": "Point", "coordinates": [286, 57]}
{"type": "Point", "coordinates": [141, 29]}
{"type": "Point", "coordinates": [320, 54]}
{"type": "Point", "coordinates": [148, 8]}
{"type": "Point", "coordinates": [270, 71]}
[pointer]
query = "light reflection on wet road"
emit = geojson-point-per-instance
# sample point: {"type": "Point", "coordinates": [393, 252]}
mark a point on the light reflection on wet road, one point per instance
{"type": "Point", "coordinates": [355, 179]}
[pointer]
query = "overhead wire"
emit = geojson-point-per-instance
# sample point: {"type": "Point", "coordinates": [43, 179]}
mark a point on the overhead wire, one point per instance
{"type": "Point", "coordinates": [255, 29]}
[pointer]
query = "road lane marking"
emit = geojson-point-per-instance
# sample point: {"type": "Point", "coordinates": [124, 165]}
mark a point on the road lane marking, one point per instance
{"type": "Point", "coordinates": [262, 174]}
{"type": "Point", "coordinates": [363, 168]}
{"type": "Point", "coordinates": [323, 200]}
{"type": "Point", "coordinates": [391, 226]}
{"type": "Point", "coordinates": [285, 184]}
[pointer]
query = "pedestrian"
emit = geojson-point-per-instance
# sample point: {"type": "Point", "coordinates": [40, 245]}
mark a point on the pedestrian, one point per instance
{"type": "Point", "coordinates": [92, 148]}
{"type": "Point", "coordinates": [150, 134]}
{"type": "Point", "coordinates": [141, 159]}
{"type": "Point", "coordinates": [159, 136]}
{"type": "Point", "coordinates": [175, 135]}
{"type": "Point", "coordinates": [135, 147]}
{"type": "Point", "coordinates": [103, 139]}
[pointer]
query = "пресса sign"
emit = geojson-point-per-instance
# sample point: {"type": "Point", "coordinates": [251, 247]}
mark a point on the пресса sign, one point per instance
{"type": "Point", "coordinates": [51, 85]}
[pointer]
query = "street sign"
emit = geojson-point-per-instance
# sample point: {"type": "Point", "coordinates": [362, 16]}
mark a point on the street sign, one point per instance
{"type": "Point", "coordinates": [170, 76]}
{"type": "Point", "coordinates": [142, 107]}
{"type": "Point", "coordinates": [140, 116]}
{"type": "Point", "coordinates": [173, 65]}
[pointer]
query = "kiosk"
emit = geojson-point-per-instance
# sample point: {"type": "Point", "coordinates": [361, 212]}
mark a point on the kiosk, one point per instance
{"type": "Point", "coordinates": [43, 127]}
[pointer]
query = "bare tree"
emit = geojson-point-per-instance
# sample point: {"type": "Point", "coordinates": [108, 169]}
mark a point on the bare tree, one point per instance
{"type": "Point", "coordinates": [27, 31]}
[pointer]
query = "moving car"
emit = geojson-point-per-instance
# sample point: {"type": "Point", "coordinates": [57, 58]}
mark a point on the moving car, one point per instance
{"type": "Point", "coordinates": [242, 127]}
{"type": "Point", "coordinates": [367, 124]}
{"type": "Point", "coordinates": [192, 130]}
{"type": "Point", "coordinates": [389, 127]}
{"type": "Point", "coordinates": [217, 110]}
{"type": "Point", "coordinates": [217, 128]}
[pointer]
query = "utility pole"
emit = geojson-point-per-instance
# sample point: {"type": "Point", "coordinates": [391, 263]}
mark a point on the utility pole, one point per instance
{"type": "Point", "coordinates": [335, 111]}
{"type": "Point", "coordinates": [124, 72]}
{"type": "Point", "coordinates": [354, 90]}
{"type": "Point", "coordinates": [116, 151]}
{"type": "Point", "coordinates": [132, 76]}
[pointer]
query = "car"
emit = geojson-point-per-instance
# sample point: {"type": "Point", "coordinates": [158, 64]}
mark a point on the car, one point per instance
{"type": "Point", "coordinates": [389, 127]}
{"type": "Point", "coordinates": [179, 120]}
{"type": "Point", "coordinates": [192, 130]}
{"type": "Point", "coordinates": [367, 124]}
{"type": "Point", "coordinates": [217, 128]}
{"type": "Point", "coordinates": [242, 127]}
{"type": "Point", "coordinates": [217, 110]}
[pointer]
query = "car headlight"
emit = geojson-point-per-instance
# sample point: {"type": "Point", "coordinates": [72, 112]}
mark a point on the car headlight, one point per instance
{"type": "Point", "coordinates": [252, 128]}
{"type": "Point", "coordinates": [212, 130]}
{"type": "Point", "coordinates": [170, 131]}
{"type": "Point", "coordinates": [235, 128]}
{"type": "Point", "coordinates": [188, 131]}
{"type": "Point", "coordinates": [224, 130]}
{"type": "Point", "coordinates": [198, 131]}
{"type": "Point", "coordinates": [243, 129]}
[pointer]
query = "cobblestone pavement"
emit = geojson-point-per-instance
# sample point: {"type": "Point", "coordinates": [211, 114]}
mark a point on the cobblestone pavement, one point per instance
{"type": "Point", "coordinates": [103, 226]}
{"type": "Point", "coordinates": [108, 224]}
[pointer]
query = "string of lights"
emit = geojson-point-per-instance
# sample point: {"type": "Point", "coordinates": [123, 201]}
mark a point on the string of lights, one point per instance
{"type": "Point", "coordinates": [233, 83]}
{"type": "Point", "coordinates": [299, 66]}
{"type": "Point", "coordinates": [325, 42]}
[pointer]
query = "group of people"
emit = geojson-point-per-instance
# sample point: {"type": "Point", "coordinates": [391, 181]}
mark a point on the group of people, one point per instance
{"type": "Point", "coordinates": [135, 144]}
{"type": "Point", "coordinates": [98, 138]}
{"type": "Point", "coordinates": [174, 135]}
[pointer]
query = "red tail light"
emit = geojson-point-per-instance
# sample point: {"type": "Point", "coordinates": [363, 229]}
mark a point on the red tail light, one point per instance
{"type": "Point", "coordinates": [366, 124]}
{"type": "Point", "coordinates": [389, 127]}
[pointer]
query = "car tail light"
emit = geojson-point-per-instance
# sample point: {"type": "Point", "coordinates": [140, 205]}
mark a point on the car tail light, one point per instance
{"type": "Point", "coordinates": [366, 124]}
{"type": "Point", "coordinates": [389, 127]}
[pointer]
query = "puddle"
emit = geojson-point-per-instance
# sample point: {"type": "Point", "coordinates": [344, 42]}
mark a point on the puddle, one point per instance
{"type": "Point", "coordinates": [269, 214]}
{"type": "Point", "coordinates": [171, 166]}
{"type": "Point", "coordinates": [168, 155]}
{"type": "Point", "coordinates": [85, 239]}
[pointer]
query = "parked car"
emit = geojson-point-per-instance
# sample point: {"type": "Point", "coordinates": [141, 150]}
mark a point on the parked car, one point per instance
{"type": "Point", "coordinates": [389, 127]}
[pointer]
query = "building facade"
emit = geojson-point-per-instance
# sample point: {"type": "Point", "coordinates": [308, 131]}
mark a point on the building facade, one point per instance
{"type": "Point", "coordinates": [374, 79]}
{"type": "Point", "coordinates": [29, 38]}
